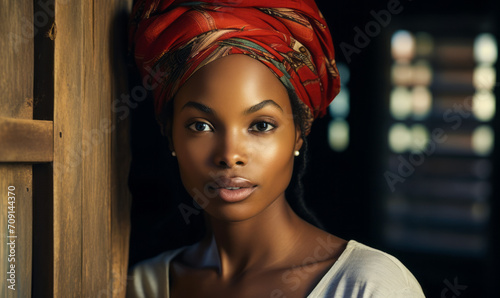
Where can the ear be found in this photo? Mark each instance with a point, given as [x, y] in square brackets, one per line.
[298, 139]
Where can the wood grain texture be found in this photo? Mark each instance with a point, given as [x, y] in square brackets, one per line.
[96, 113]
[16, 87]
[68, 173]
[18, 176]
[16, 60]
[26, 140]
[89, 214]
[90, 195]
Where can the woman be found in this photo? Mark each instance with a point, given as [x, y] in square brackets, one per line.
[240, 83]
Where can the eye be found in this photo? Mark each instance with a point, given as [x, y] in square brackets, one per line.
[263, 126]
[200, 126]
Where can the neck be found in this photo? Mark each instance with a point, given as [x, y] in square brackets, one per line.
[263, 241]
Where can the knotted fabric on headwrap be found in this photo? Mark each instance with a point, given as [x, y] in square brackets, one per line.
[172, 39]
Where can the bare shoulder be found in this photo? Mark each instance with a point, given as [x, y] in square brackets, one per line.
[322, 245]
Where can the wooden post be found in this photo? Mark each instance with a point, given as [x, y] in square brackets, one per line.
[81, 202]
[90, 210]
[16, 102]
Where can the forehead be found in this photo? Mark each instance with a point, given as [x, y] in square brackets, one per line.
[235, 79]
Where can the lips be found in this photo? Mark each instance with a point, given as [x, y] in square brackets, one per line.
[234, 189]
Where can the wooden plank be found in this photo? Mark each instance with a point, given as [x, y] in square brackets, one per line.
[15, 250]
[120, 159]
[96, 122]
[26, 140]
[105, 233]
[85, 167]
[68, 149]
[16, 87]
[16, 44]
[84, 180]
[105, 210]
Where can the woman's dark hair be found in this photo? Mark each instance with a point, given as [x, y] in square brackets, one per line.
[295, 190]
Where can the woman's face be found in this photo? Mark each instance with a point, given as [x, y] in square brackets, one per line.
[234, 136]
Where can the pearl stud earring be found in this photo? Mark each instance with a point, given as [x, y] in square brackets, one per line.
[173, 153]
[296, 153]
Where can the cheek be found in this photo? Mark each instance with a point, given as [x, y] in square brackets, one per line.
[276, 159]
[190, 158]
[275, 155]
[195, 150]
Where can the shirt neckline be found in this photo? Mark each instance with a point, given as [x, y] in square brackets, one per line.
[315, 291]
[325, 280]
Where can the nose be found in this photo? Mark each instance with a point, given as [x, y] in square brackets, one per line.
[231, 151]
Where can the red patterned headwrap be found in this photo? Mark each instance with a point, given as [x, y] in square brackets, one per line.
[174, 38]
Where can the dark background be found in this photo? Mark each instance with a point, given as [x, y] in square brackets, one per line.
[344, 189]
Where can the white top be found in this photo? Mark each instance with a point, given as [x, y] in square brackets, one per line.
[360, 271]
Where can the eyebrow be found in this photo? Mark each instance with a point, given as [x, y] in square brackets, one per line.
[199, 106]
[261, 105]
[207, 110]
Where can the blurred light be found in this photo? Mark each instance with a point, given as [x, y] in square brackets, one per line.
[401, 103]
[484, 77]
[424, 44]
[402, 74]
[480, 211]
[340, 106]
[403, 45]
[483, 140]
[400, 138]
[485, 49]
[483, 105]
[344, 73]
[422, 73]
[420, 137]
[338, 135]
[422, 102]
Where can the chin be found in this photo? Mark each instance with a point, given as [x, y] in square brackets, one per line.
[240, 211]
[233, 212]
